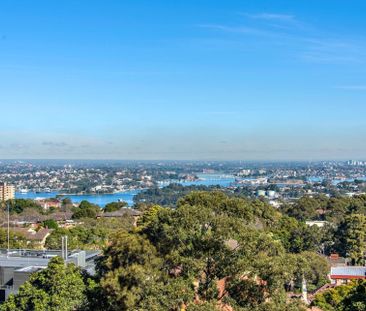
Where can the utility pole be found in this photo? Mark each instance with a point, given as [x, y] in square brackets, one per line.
[64, 248]
[304, 290]
[8, 235]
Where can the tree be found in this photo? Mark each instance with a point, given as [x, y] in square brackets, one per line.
[66, 201]
[217, 201]
[315, 269]
[356, 298]
[169, 195]
[50, 224]
[86, 210]
[351, 235]
[114, 206]
[306, 207]
[16, 240]
[247, 292]
[59, 287]
[66, 204]
[148, 217]
[126, 271]
[19, 205]
[296, 236]
[350, 297]
[211, 237]
[211, 251]
[92, 234]
[203, 306]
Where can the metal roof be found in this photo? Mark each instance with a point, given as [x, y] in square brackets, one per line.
[348, 271]
[18, 262]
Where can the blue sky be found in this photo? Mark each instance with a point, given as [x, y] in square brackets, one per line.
[192, 79]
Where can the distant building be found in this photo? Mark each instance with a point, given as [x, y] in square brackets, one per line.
[122, 213]
[318, 223]
[46, 204]
[37, 237]
[6, 192]
[244, 172]
[275, 204]
[16, 266]
[336, 261]
[343, 275]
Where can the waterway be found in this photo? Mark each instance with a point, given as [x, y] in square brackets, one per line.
[127, 196]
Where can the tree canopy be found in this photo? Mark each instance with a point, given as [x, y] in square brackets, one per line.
[86, 210]
[211, 250]
[114, 206]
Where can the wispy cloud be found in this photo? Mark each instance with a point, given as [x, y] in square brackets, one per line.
[276, 20]
[235, 29]
[306, 42]
[272, 16]
[329, 49]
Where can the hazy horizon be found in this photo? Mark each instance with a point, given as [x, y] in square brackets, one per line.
[192, 80]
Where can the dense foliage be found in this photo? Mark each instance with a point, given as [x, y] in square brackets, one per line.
[114, 206]
[19, 205]
[86, 210]
[50, 224]
[169, 195]
[345, 232]
[210, 251]
[92, 234]
[321, 207]
[351, 297]
[16, 240]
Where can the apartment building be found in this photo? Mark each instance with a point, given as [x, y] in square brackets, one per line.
[6, 192]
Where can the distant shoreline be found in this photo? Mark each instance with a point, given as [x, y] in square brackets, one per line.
[104, 193]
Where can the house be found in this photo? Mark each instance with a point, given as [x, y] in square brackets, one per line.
[31, 217]
[61, 217]
[336, 261]
[32, 236]
[318, 223]
[343, 275]
[123, 212]
[46, 204]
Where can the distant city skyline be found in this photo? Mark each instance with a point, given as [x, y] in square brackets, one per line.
[183, 80]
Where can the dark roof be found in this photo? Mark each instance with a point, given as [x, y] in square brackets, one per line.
[33, 235]
[28, 218]
[60, 216]
[123, 212]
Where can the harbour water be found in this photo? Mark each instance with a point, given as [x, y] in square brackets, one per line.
[99, 199]
[127, 196]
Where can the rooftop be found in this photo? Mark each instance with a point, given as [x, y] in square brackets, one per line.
[121, 213]
[354, 272]
[31, 269]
